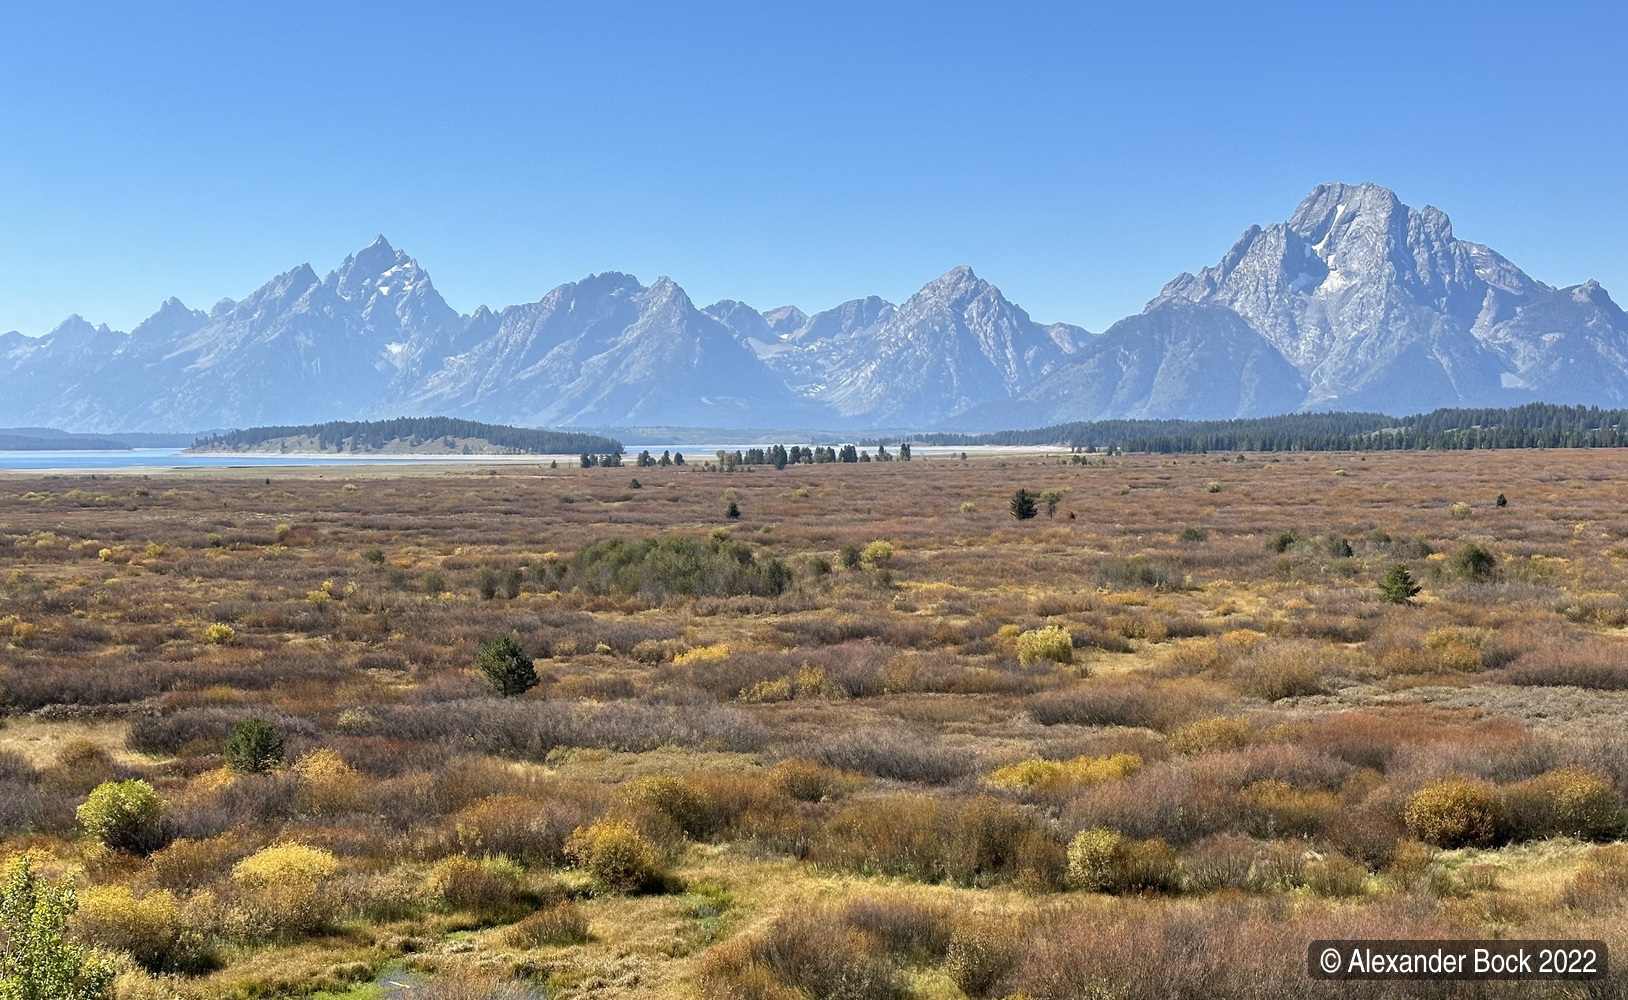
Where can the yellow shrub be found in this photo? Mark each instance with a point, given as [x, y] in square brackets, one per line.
[147, 928]
[767, 692]
[878, 554]
[1335, 876]
[285, 865]
[1456, 648]
[617, 856]
[702, 654]
[327, 783]
[288, 890]
[1050, 643]
[1091, 856]
[1456, 812]
[1055, 776]
[219, 633]
[1212, 736]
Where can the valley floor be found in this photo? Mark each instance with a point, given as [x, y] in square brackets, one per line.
[873, 737]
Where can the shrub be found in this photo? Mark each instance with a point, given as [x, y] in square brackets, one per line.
[219, 634]
[1212, 736]
[486, 887]
[675, 798]
[288, 888]
[1022, 505]
[506, 666]
[811, 781]
[655, 568]
[1336, 876]
[1063, 776]
[1277, 677]
[1473, 562]
[1192, 533]
[617, 856]
[1101, 860]
[1455, 812]
[556, 923]
[254, 746]
[1397, 587]
[802, 954]
[982, 952]
[434, 583]
[849, 556]
[878, 554]
[123, 815]
[1223, 861]
[327, 783]
[1091, 857]
[1569, 802]
[1275, 808]
[1052, 643]
[148, 928]
[37, 960]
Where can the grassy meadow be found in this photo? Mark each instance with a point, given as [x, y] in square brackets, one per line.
[874, 738]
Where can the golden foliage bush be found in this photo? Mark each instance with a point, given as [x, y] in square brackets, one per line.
[326, 783]
[1052, 643]
[618, 857]
[1101, 860]
[1569, 802]
[1214, 735]
[1456, 812]
[148, 928]
[284, 888]
[1063, 776]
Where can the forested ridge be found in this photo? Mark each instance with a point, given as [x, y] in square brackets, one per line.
[345, 435]
[1534, 425]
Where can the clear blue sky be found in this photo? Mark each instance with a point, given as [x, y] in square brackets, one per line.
[1077, 154]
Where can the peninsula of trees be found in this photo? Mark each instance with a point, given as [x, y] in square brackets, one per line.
[408, 436]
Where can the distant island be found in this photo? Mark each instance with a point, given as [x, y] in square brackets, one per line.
[52, 439]
[405, 436]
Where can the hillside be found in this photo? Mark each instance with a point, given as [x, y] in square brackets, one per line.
[407, 436]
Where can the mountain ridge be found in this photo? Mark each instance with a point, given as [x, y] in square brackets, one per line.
[1355, 301]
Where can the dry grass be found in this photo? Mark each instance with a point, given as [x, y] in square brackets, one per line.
[873, 755]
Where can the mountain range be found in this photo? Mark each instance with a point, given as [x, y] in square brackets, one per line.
[1357, 302]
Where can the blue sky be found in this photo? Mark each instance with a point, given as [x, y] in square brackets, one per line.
[1078, 155]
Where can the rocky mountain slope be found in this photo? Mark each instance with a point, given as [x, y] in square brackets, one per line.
[1357, 301]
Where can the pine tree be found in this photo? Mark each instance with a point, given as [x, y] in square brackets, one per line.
[733, 511]
[1023, 505]
[506, 666]
[1398, 587]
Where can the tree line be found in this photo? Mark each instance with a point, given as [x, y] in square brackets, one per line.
[345, 435]
[1533, 425]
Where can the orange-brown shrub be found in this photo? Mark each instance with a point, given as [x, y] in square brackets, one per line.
[1568, 802]
[1455, 812]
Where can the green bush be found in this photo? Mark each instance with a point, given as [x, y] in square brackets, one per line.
[1473, 562]
[506, 666]
[254, 746]
[123, 815]
[37, 961]
[1456, 812]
